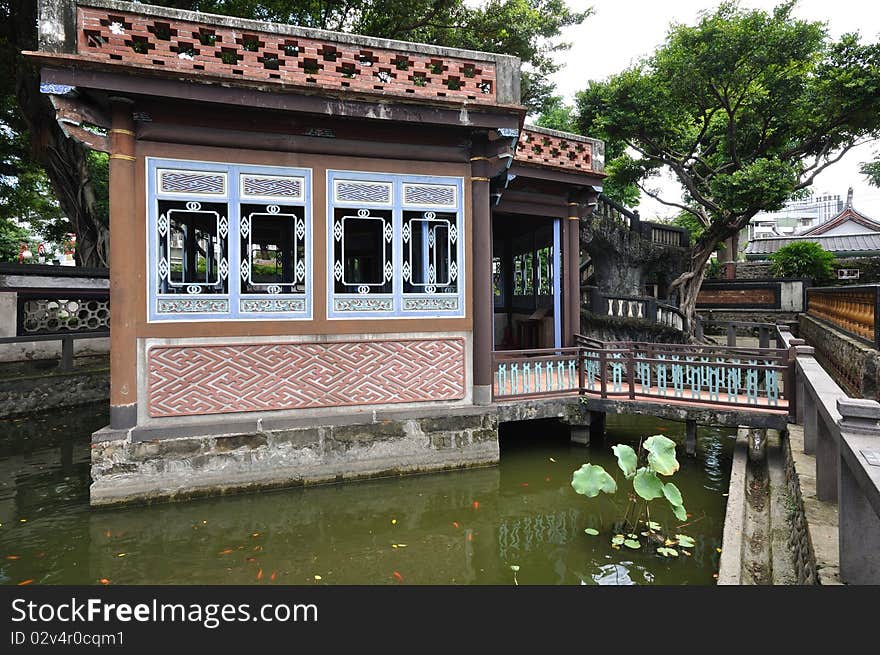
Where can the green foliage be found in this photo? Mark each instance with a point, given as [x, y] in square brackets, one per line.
[658, 454]
[590, 480]
[691, 223]
[661, 454]
[557, 115]
[744, 108]
[647, 485]
[11, 236]
[685, 541]
[803, 259]
[871, 170]
[627, 459]
[713, 270]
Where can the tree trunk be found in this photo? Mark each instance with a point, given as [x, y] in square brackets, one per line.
[689, 283]
[65, 160]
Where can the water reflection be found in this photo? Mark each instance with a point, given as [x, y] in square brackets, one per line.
[466, 527]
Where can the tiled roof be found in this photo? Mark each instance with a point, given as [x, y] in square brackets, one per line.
[847, 215]
[868, 242]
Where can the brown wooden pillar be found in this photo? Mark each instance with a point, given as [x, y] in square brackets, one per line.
[573, 273]
[124, 276]
[483, 305]
[564, 283]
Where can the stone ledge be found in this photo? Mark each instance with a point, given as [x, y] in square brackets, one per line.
[125, 471]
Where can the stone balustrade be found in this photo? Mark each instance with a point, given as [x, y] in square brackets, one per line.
[852, 309]
[844, 435]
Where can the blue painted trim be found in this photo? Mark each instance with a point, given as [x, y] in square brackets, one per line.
[557, 287]
[397, 208]
[233, 199]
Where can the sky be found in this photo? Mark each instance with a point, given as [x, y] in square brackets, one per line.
[620, 32]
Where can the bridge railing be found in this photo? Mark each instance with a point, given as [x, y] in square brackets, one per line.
[537, 373]
[844, 435]
[852, 309]
[746, 377]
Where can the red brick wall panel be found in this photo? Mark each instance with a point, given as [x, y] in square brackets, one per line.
[134, 39]
[547, 150]
[215, 379]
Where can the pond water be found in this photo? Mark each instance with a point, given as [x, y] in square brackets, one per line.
[464, 527]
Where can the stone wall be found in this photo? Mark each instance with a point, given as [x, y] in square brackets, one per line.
[347, 447]
[868, 267]
[854, 365]
[33, 393]
[799, 541]
[752, 270]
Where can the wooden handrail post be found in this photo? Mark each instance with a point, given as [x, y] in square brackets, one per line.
[631, 373]
[603, 373]
[581, 365]
[763, 336]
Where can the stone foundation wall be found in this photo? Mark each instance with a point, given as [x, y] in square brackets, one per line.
[627, 329]
[752, 270]
[26, 394]
[853, 364]
[126, 470]
[799, 541]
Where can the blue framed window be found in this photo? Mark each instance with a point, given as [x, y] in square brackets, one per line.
[395, 245]
[228, 241]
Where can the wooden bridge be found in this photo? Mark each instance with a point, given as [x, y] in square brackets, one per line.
[681, 374]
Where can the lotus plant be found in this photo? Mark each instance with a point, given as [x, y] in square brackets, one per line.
[655, 458]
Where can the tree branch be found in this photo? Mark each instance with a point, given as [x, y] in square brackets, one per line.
[701, 216]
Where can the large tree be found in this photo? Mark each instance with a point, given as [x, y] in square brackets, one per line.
[745, 108]
[36, 154]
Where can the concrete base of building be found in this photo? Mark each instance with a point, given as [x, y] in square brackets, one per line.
[184, 459]
[126, 470]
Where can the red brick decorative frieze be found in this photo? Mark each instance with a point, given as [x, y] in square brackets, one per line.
[203, 48]
[555, 149]
[217, 379]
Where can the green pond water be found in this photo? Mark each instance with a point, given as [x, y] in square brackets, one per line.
[464, 527]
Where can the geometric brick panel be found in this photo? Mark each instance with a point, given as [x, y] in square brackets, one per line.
[204, 50]
[197, 380]
[553, 151]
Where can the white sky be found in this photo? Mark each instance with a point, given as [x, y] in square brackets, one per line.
[621, 31]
